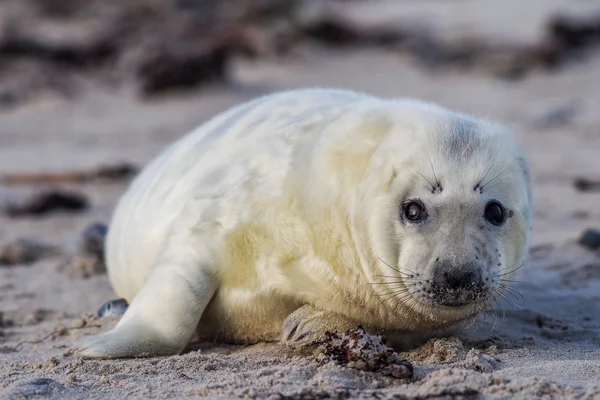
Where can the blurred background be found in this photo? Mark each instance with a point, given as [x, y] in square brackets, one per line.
[91, 90]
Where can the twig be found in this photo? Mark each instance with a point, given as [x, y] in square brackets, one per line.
[57, 332]
[115, 172]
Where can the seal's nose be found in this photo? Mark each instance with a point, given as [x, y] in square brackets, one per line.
[457, 277]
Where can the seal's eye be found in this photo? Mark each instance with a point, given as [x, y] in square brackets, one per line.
[414, 211]
[495, 213]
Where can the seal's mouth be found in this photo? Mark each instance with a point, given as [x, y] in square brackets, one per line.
[450, 297]
[454, 303]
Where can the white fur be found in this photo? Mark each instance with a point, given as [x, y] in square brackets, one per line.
[282, 201]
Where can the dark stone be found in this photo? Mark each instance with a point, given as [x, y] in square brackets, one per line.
[113, 308]
[42, 387]
[92, 240]
[587, 185]
[178, 69]
[590, 239]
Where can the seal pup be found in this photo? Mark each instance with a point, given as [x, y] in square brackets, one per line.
[313, 210]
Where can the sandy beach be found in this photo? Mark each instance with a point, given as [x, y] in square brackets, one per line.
[543, 345]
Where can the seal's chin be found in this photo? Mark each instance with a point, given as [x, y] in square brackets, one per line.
[458, 298]
[455, 299]
[454, 303]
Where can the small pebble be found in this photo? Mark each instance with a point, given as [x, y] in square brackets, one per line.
[590, 239]
[556, 118]
[42, 387]
[89, 259]
[92, 240]
[113, 308]
[24, 251]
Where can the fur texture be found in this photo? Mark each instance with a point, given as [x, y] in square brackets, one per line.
[294, 199]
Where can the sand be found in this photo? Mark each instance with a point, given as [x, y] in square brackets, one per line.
[543, 345]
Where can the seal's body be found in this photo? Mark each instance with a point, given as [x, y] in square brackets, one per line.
[311, 210]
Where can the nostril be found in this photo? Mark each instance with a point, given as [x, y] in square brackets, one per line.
[456, 278]
[459, 279]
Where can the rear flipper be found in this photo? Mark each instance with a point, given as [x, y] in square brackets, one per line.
[163, 316]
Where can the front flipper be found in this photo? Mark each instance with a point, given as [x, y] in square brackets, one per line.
[163, 316]
[307, 325]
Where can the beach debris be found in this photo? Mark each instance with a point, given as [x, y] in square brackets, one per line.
[563, 39]
[88, 260]
[41, 387]
[48, 201]
[113, 308]
[590, 239]
[3, 323]
[558, 117]
[103, 173]
[568, 35]
[587, 185]
[76, 43]
[35, 316]
[177, 67]
[93, 239]
[51, 54]
[181, 45]
[356, 348]
[22, 251]
[333, 27]
[82, 266]
[187, 61]
[85, 322]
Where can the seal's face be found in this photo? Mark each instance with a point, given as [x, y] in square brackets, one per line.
[465, 262]
[461, 219]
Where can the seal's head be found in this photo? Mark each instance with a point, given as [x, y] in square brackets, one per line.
[458, 214]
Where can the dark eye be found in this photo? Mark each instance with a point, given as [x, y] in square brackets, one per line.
[414, 211]
[495, 213]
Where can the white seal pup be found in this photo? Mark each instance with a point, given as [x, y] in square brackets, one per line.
[314, 210]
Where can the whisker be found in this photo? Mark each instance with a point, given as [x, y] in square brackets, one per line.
[433, 187]
[428, 181]
[415, 183]
[495, 320]
[495, 184]
[501, 309]
[510, 281]
[508, 267]
[483, 179]
[397, 270]
[482, 187]
[498, 275]
[486, 307]
[380, 259]
[412, 272]
[433, 170]
[387, 276]
[497, 307]
[510, 303]
[412, 303]
[389, 296]
[514, 292]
